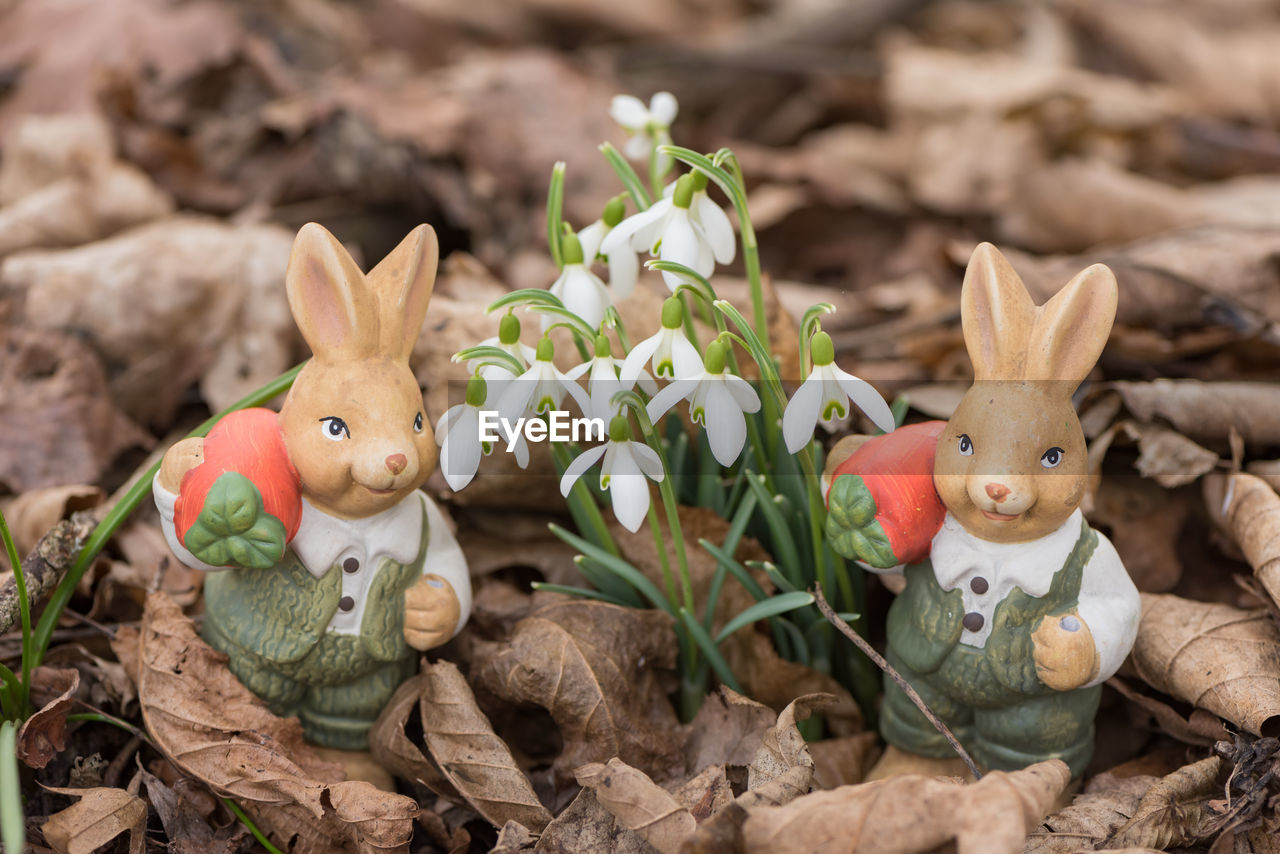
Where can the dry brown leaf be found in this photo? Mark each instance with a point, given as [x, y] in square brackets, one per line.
[1219, 658]
[910, 814]
[216, 730]
[394, 750]
[1252, 515]
[705, 794]
[42, 149]
[172, 302]
[1144, 522]
[727, 730]
[513, 838]
[782, 768]
[44, 734]
[639, 804]
[98, 817]
[108, 683]
[775, 681]
[188, 831]
[1208, 411]
[58, 423]
[1201, 729]
[1168, 457]
[843, 761]
[1091, 817]
[586, 827]
[596, 668]
[477, 762]
[1175, 811]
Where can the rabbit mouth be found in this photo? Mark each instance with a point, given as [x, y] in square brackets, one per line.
[1000, 517]
[380, 491]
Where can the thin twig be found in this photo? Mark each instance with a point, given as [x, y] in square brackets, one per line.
[869, 651]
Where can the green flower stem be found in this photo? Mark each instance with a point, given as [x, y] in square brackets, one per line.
[690, 331]
[127, 504]
[555, 206]
[628, 176]
[660, 547]
[588, 517]
[24, 611]
[253, 828]
[614, 320]
[12, 825]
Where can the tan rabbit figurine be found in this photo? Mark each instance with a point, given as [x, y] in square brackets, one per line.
[334, 567]
[1014, 609]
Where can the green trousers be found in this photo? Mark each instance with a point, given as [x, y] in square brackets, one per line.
[337, 689]
[1003, 730]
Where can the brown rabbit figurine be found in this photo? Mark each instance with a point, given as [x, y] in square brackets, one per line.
[1020, 610]
[324, 623]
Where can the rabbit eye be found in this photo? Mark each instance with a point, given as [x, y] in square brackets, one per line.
[1050, 458]
[334, 428]
[966, 445]
[417, 423]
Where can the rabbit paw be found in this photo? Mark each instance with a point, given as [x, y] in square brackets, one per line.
[1064, 652]
[431, 612]
[178, 460]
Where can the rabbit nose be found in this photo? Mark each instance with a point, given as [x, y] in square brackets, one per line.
[396, 463]
[998, 492]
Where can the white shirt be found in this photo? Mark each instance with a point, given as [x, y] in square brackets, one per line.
[1108, 602]
[326, 543]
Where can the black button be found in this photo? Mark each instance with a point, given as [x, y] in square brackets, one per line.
[979, 585]
[351, 565]
[346, 603]
[973, 621]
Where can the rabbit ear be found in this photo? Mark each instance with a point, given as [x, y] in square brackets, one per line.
[1073, 327]
[334, 308]
[997, 315]
[403, 282]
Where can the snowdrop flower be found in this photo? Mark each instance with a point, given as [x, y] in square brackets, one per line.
[578, 288]
[669, 230]
[672, 354]
[603, 382]
[539, 389]
[623, 472]
[824, 397]
[648, 126]
[623, 266]
[458, 435]
[717, 401]
[508, 339]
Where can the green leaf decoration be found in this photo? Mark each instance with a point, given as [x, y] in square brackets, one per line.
[233, 528]
[852, 527]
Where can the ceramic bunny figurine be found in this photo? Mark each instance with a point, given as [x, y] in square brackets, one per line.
[1014, 610]
[326, 627]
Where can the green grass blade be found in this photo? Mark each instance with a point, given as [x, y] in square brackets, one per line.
[555, 205]
[580, 592]
[13, 831]
[708, 647]
[781, 544]
[627, 176]
[618, 567]
[22, 692]
[775, 575]
[606, 582]
[770, 607]
[799, 646]
[739, 571]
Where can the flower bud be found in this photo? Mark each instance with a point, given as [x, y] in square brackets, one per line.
[546, 350]
[509, 329]
[614, 211]
[700, 180]
[822, 350]
[477, 391]
[619, 429]
[715, 358]
[570, 249]
[672, 313]
[603, 350]
[682, 197]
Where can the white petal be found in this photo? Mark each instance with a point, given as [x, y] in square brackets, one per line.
[717, 228]
[650, 229]
[649, 461]
[743, 394]
[521, 451]
[647, 383]
[621, 233]
[628, 111]
[802, 413]
[460, 454]
[583, 294]
[628, 489]
[641, 353]
[637, 146]
[578, 393]
[706, 264]
[866, 398]
[662, 108]
[578, 370]
[726, 426]
[578, 468]
[669, 397]
[680, 245]
[686, 361]
[590, 238]
[624, 267]
[514, 400]
[446, 421]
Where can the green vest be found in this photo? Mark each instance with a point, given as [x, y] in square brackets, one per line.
[924, 627]
[281, 613]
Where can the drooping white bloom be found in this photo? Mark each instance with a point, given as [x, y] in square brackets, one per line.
[458, 435]
[824, 397]
[647, 126]
[626, 465]
[578, 288]
[717, 401]
[672, 354]
[539, 389]
[603, 381]
[623, 265]
[673, 231]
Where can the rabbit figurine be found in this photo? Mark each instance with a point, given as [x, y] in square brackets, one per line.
[1014, 609]
[340, 567]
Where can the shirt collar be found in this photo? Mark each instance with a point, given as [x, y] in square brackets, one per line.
[957, 554]
[395, 533]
